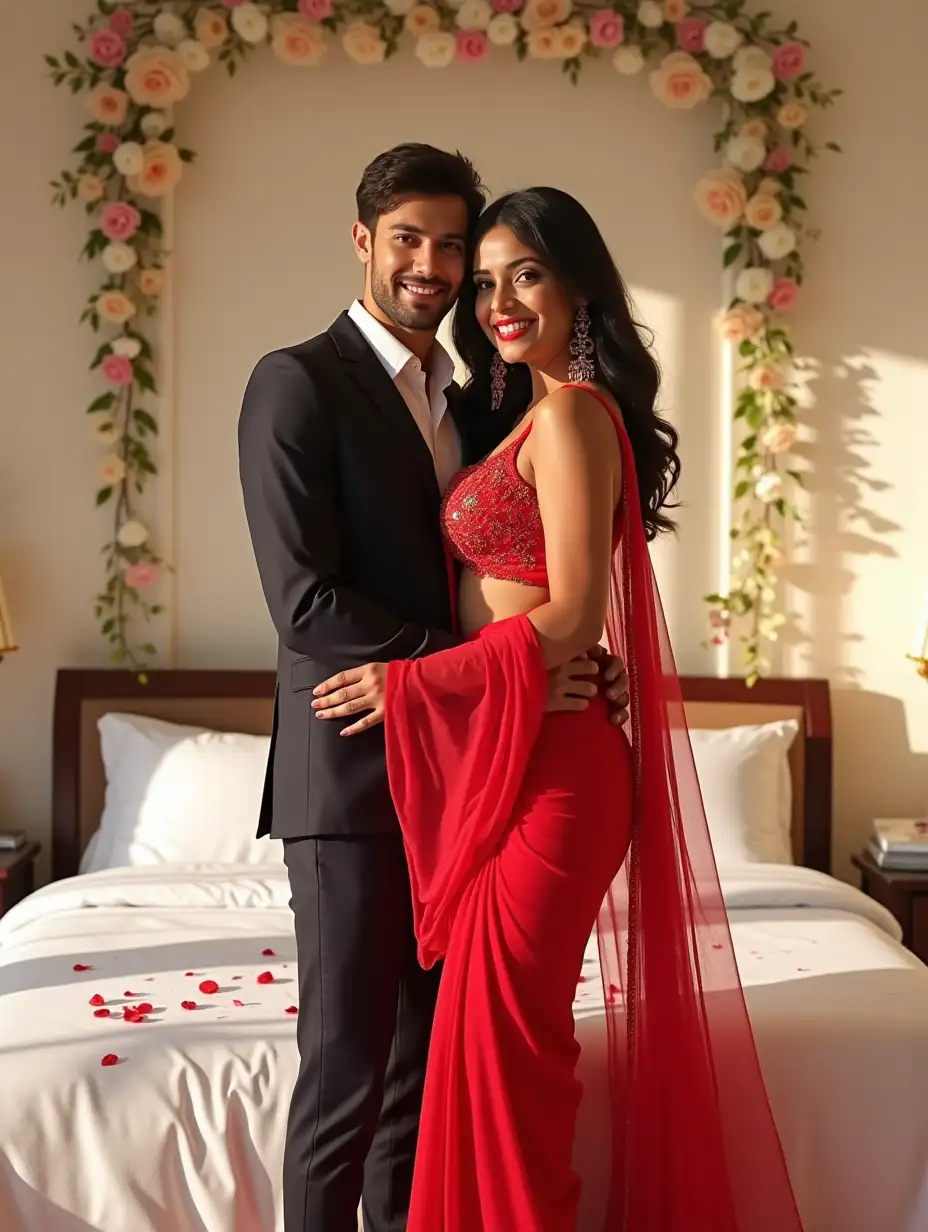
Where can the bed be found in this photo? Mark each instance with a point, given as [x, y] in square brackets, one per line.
[184, 1131]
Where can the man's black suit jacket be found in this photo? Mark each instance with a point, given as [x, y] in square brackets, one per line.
[342, 505]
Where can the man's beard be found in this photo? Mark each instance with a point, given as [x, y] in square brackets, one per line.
[426, 315]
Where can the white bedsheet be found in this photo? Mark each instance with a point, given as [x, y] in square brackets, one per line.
[186, 1133]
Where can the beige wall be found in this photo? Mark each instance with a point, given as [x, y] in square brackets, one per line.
[263, 259]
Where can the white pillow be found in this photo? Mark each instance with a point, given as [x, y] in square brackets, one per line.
[744, 776]
[179, 794]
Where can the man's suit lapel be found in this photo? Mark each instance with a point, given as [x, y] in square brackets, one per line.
[369, 374]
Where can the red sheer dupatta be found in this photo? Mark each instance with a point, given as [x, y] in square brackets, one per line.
[695, 1148]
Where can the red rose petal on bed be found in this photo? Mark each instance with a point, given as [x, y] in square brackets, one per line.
[132, 1015]
[97, 999]
[235, 1001]
[110, 1059]
[129, 993]
[82, 967]
[209, 987]
[145, 1008]
[189, 973]
[581, 979]
[266, 977]
[104, 1013]
[188, 1005]
[268, 953]
[291, 1009]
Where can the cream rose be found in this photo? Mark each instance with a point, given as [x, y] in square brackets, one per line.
[128, 347]
[779, 437]
[249, 23]
[473, 15]
[169, 28]
[675, 10]
[739, 324]
[628, 60]
[679, 82]
[650, 14]
[132, 534]
[115, 307]
[753, 128]
[154, 123]
[363, 43]
[751, 56]
[544, 45]
[503, 29]
[769, 186]
[107, 432]
[194, 55]
[421, 19]
[156, 77]
[571, 40]
[766, 377]
[769, 487]
[754, 284]
[745, 153]
[161, 170]
[762, 212]
[90, 188]
[721, 196]
[778, 242]
[211, 28]
[792, 115]
[436, 49]
[296, 41]
[750, 85]
[721, 40]
[107, 105]
[543, 14]
[119, 258]
[112, 470]
[151, 281]
[128, 158]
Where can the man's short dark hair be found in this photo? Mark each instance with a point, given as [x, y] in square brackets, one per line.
[417, 170]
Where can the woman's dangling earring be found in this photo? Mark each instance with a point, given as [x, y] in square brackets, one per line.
[581, 368]
[498, 370]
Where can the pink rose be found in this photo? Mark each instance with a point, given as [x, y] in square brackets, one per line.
[122, 22]
[141, 575]
[316, 10]
[789, 61]
[778, 161]
[691, 34]
[107, 48]
[118, 369]
[107, 142]
[607, 28]
[471, 46]
[506, 6]
[119, 220]
[784, 294]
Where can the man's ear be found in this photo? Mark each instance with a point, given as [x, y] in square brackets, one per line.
[363, 242]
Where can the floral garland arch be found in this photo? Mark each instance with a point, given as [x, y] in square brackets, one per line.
[139, 60]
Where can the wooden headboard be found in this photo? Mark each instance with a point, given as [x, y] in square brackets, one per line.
[243, 701]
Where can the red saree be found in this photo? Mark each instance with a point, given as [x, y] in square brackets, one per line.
[516, 826]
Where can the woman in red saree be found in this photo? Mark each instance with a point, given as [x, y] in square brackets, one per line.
[524, 831]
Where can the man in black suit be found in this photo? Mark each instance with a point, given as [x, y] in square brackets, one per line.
[346, 443]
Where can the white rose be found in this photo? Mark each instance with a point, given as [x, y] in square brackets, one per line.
[745, 153]
[194, 55]
[628, 60]
[130, 347]
[769, 487]
[751, 57]
[119, 258]
[778, 242]
[779, 437]
[154, 123]
[169, 28]
[129, 158]
[503, 29]
[650, 14]
[132, 534]
[473, 15]
[436, 49]
[399, 8]
[754, 284]
[750, 85]
[721, 40]
[249, 23]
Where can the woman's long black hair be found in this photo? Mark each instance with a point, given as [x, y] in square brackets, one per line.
[559, 230]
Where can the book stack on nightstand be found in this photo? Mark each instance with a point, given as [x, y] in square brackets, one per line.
[900, 844]
[17, 867]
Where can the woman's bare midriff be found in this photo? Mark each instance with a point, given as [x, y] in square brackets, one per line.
[483, 601]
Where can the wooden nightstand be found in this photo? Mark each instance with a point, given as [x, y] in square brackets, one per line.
[902, 892]
[17, 874]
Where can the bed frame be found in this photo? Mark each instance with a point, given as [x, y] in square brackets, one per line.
[229, 700]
